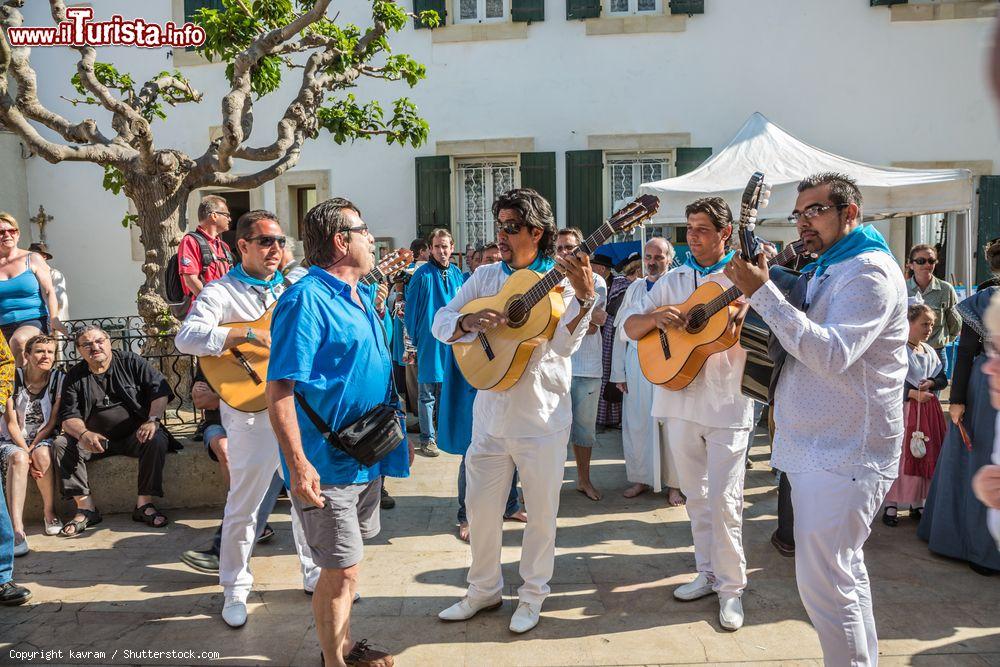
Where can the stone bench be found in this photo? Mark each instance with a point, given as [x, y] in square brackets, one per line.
[190, 479]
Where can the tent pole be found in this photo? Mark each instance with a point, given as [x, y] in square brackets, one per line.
[968, 252]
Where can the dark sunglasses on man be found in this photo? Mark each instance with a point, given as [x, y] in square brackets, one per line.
[510, 228]
[920, 261]
[268, 241]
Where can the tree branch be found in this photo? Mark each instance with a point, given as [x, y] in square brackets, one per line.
[269, 173]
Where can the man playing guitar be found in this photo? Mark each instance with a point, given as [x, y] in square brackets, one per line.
[527, 425]
[709, 421]
[243, 295]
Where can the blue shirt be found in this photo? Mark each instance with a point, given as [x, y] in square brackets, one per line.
[430, 289]
[336, 353]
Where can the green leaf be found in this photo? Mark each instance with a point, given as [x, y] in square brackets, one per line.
[114, 179]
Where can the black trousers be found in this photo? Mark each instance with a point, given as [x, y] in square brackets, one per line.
[786, 517]
[73, 462]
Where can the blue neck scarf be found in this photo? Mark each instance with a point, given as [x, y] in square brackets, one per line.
[706, 270]
[650, 284]
[238, 273]
[862, 238]
[541, 265]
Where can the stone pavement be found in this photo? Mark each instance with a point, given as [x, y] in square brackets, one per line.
[120, 588]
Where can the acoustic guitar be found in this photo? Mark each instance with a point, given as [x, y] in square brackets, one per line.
[674, 358]
[532, 305]
[239, 374]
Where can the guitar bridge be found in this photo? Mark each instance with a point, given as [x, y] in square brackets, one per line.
[665, 344]
[486, 346]
[246, 366]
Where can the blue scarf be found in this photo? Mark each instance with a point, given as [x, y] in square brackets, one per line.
[650, 284]
[541, 265]
[238, 273]
[706, 270]
[861, 239]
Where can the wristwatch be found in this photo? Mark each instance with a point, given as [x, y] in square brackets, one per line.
[153, 420]
[587, 304]
[251, 335]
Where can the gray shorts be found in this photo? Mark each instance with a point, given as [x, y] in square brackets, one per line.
[585, 394]
[335, 531]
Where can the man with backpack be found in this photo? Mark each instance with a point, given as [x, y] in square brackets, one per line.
[202, 255]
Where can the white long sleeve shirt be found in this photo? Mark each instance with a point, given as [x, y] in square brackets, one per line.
[839, 399]
[588, 360]
[539, 403]
[714, 397]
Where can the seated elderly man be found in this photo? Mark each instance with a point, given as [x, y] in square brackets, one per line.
[112, 405]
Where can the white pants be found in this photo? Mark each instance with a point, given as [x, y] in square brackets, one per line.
[253, 460]
[644, 441]
[489, 465]
[833, 514]
[711, 467]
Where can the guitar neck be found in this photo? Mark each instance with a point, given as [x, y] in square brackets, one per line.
[734, 292]
[555, 275]
[374, 276]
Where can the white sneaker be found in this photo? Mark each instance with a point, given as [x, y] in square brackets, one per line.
[465, 608]
[53, 527]
[699, 588]
[21, 548]
[731, 612]
[525, 618]
[234, 612]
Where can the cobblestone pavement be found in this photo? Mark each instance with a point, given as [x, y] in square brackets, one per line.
[120, 589]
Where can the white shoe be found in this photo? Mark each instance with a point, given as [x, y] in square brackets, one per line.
[525, 618]
[53, 527]
[465, 609]
[731, 612]
[21, 548]
[699, 588]
[234, 612]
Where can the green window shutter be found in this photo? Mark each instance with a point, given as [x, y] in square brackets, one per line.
[989, 221]
[433, 194]
[192, 6]
[427, 6]
[689, 159]
[583, 9]
[585, 189]
[687, 6]
[883, 3]
[527, 11]
[538, 172]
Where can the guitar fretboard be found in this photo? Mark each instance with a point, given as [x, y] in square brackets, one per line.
[555, 275]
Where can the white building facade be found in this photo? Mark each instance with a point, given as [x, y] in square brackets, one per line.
[581, 99]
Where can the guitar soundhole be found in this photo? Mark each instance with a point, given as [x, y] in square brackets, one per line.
[696, 319]
[517, 312]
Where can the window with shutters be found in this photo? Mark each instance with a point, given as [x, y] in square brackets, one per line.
[632, 7]
[478, 183]
[625, 173]
[480, 11]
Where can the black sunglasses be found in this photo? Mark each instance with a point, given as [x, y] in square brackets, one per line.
[920, 261]
[510, 228]
[268, 241]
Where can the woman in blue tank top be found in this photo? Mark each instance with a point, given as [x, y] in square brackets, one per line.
[28, 304]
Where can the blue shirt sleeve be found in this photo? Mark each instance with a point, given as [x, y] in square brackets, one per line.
[295, 339]
[414, 305]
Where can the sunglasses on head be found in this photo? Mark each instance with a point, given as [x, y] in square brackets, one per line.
[268, 241]
[920, 261]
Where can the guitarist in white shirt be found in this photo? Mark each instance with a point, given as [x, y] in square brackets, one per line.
[243, 295]
[526, 426]
[709, 421]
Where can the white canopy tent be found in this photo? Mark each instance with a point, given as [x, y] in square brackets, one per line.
[763, 146]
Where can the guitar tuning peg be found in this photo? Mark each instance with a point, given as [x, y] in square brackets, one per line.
[750, 222]
[753, 213]
[751, 226]
[763, 202]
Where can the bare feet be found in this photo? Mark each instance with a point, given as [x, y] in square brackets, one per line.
[636, 490]
[519, 515]
[675, 497]
[463, 532]
[587, 489]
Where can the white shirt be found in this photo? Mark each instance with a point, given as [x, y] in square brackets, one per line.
[538, 404]
[632, 303]
[588, 361]
[713, 398]
[839, 399]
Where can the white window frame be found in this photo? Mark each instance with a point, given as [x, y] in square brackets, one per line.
[633, 9]
[481, 13]
[666, 156]
[458, 198]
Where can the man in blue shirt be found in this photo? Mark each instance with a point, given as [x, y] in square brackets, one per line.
[329, 349]
[433, 285]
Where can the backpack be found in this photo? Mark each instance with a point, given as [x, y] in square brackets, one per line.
[178, 301]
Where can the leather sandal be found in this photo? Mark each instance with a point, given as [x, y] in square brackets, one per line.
[139, 515]
[90, 518]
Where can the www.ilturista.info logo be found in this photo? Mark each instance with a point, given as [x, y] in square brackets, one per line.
[79, 30]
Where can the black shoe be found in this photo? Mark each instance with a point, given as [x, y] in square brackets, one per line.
[983, 570]
[203, 561]
[12, 595]
[916, 513]
[266, 535]
[785, 549]
[891, 520]
[388, 502]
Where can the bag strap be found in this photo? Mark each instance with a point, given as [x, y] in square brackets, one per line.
[324, 429]
[208, 256]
